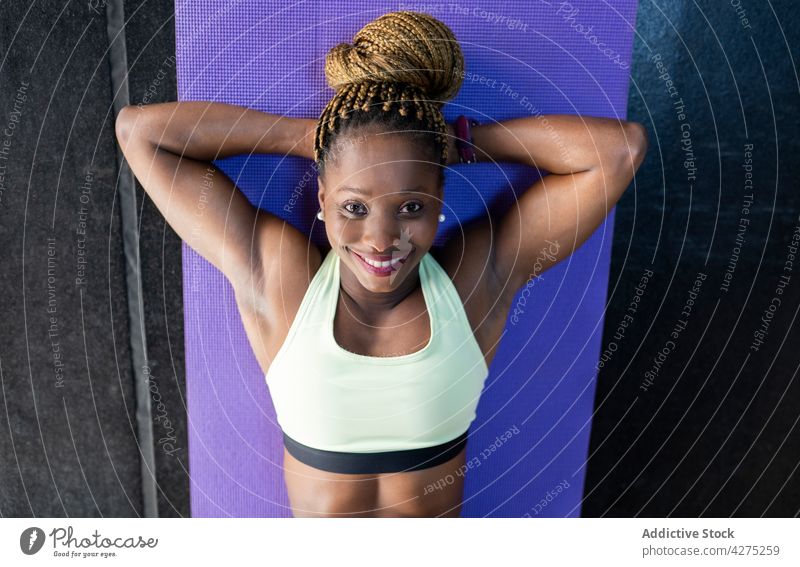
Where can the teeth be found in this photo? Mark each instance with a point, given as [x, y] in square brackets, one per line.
[384, 264]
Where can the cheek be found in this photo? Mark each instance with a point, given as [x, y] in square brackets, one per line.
[344, 230]
[427, 230]
[420, 233]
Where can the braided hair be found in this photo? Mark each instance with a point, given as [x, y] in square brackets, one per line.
[396, 75]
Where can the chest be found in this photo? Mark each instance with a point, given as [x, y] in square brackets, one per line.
[405, 331]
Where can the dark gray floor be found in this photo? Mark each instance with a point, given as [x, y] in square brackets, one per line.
[70, 442]
[69, 446]
[712, 430]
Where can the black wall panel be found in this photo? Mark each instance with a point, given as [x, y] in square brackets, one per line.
[704, 422]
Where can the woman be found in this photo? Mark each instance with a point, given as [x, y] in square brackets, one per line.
[375, 346]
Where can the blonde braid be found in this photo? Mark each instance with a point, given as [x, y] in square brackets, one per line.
[401, 68]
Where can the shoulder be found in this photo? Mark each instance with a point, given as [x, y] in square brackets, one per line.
[269, 304]
[467, 254]
[290, 281]
[467, 258]
[284, 281]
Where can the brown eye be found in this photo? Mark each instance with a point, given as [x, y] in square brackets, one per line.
[417, 207]
[352, 211]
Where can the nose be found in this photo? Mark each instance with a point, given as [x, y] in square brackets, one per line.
[380, 233]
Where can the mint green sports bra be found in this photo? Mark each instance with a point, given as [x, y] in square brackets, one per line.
[332, 399]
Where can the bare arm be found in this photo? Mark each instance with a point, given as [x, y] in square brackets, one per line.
[212, 130]
[169, 147]
[591, 161]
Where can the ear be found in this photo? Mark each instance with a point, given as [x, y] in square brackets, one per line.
[321, 193]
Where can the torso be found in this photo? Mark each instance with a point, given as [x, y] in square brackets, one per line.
[408, 331]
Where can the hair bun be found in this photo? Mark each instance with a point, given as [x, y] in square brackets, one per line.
[403, 47]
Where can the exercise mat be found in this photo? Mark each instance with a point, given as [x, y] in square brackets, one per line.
[528, 447]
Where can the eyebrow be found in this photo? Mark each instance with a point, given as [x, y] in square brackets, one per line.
[360, 191]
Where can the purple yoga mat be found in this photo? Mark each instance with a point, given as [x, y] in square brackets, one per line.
[528, 447]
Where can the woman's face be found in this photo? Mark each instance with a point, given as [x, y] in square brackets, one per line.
[381, 197]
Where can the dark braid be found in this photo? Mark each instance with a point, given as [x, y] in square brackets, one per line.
[398, 72]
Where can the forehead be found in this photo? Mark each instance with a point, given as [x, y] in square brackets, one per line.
[381, 163]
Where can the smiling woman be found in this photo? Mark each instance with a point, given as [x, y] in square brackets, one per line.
[358, 407]
[376, 346]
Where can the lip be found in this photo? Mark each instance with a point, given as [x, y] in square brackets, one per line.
[382, 272]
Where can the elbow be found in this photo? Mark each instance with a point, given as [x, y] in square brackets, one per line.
[626, 150]
[636, 143]
[124, 123]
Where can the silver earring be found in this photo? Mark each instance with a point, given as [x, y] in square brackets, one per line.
[320, 216]
[441, 218]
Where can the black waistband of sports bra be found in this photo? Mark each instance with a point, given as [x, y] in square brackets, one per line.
[375, 463]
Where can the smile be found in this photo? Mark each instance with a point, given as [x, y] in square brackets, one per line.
[382, 268]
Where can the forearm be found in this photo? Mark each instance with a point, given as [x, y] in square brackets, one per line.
[209, 130]
[557, 143]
